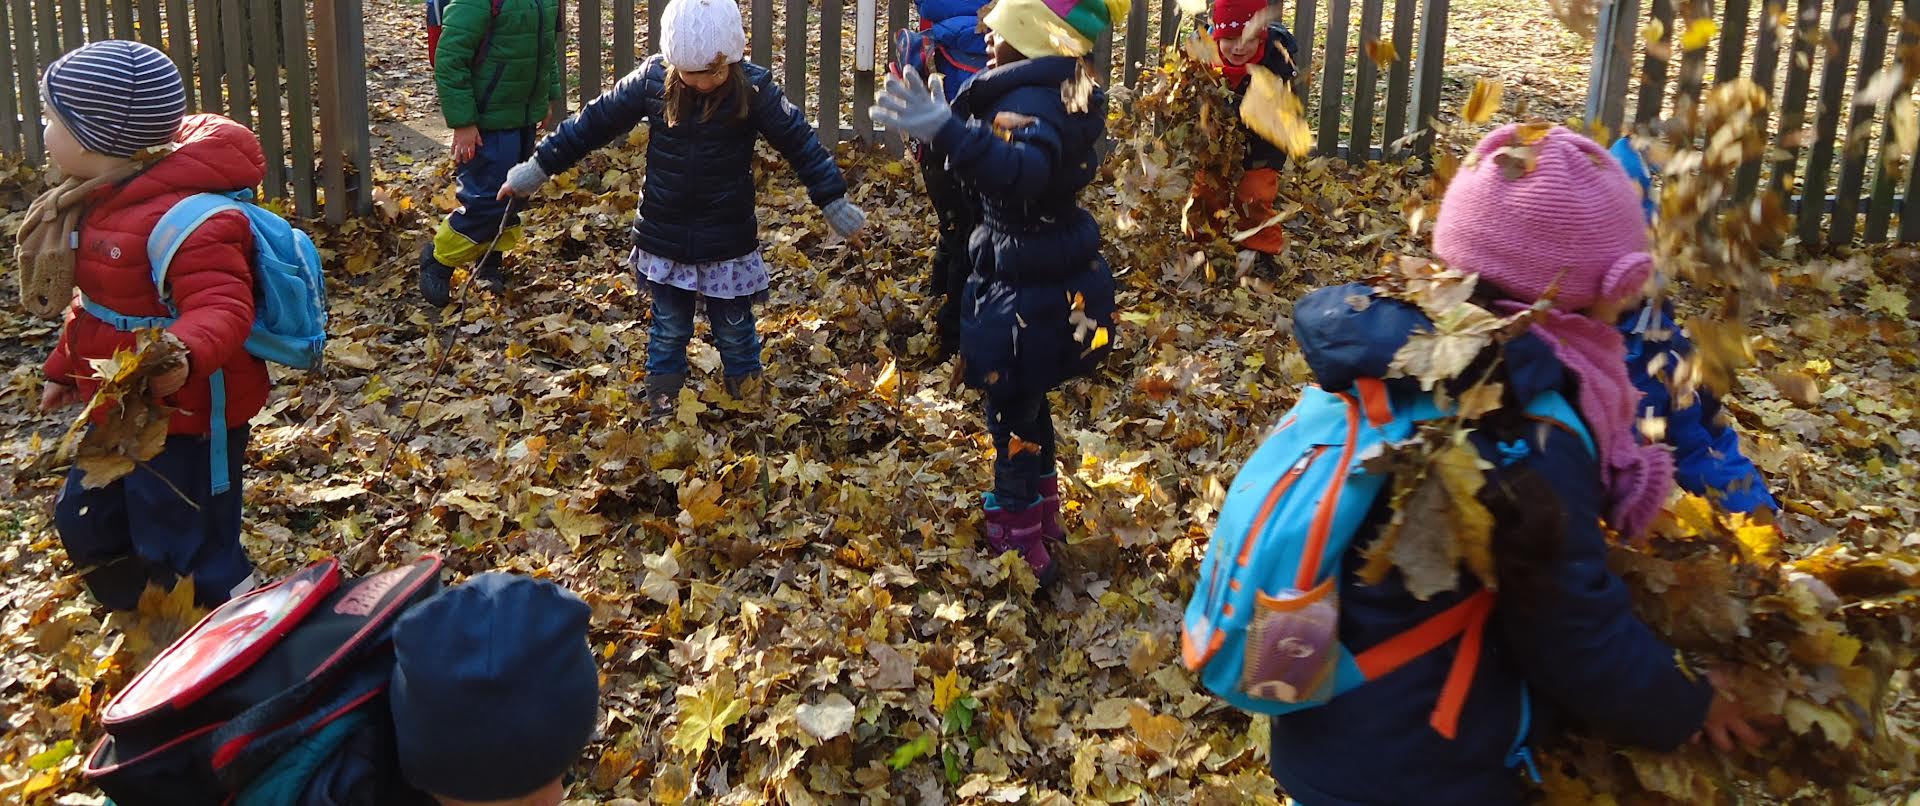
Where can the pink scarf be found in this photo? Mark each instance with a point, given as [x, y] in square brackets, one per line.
[1636, 477]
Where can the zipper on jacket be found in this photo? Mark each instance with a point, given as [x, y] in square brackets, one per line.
[1520, 755]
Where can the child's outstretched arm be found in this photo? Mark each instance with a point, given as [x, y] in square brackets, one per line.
[1020, 163]
[782, 123]
[601, 121]
[1578, 643]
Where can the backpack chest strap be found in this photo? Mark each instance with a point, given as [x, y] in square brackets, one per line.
[1466, 620]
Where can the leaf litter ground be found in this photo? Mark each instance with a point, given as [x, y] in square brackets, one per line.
[792, 602]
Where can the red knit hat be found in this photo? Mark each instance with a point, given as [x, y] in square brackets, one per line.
[1230, 17]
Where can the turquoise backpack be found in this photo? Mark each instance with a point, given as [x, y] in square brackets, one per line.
[289, 296]
[1262, 628]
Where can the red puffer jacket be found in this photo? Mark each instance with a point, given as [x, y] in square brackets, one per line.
[210, 279]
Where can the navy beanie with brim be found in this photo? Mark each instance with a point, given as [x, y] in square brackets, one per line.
[118, 98]
[494, 691]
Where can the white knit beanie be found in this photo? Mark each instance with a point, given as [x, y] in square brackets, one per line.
[696, 32]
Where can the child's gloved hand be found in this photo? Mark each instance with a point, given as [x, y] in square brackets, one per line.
[522, 180]
[845, 219]
[912, 106]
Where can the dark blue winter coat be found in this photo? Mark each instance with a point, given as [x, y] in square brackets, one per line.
[952, 27]
[1577, 654]
[698, 202]
[1040, 290]
[1706, 451]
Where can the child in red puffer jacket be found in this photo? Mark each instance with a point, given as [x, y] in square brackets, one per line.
[116, 128]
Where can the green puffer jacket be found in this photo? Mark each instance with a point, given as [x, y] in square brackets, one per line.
[516, 76]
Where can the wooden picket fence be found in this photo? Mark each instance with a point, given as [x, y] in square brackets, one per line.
[290, 70]
[296, 71]
[1825, 168]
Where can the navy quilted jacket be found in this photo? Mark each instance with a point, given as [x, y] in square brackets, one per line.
[698, 202]
[1040, 291]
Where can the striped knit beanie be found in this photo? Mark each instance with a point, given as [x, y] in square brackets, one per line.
[118, 98]
[1054, 27]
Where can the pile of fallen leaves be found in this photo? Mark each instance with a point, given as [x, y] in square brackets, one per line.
[793, 602]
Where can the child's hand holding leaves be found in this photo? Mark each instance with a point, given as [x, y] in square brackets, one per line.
[56, 395]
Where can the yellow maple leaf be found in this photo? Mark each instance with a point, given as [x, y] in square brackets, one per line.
[1272, 111]
[1699, 34]
[1462, 474]
[705, 716]
[1484, 101]
[946, 689]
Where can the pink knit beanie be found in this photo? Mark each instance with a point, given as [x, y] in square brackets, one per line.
[1522, 214]
[1530, 210]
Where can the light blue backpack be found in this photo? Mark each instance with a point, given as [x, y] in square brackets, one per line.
[289, 296]
[1262, 628]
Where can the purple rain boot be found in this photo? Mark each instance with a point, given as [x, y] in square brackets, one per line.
[1022, 531]
[1051, 528]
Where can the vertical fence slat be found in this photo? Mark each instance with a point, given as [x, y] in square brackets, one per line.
[1833, 84]
[1693, 64]
[9, 79]
[122, 19]
[1910, 205]
[96, 19]
[46, 24]
[353, 100]
[1886, 173]
[1427, 72]
[1305, 16]
[1793, 110]
[1136, 51]
[763, 32]
[266, 70]
[624, 15]
[1612, 49]
[558, 103]
[796, 55]
[332, 155]
[1360, 148]
[26, 69]
[1399, 78]
[73, 25]
[1102, 58]
[1333, 76]
[655, 8]
[233, 29]
[588, 26]
[1653, 71]
[180, 41]
[1733, 40]
[300, 129]
[150, 27]
[1853, 165]
[829, 69]
[1766, 63]
[212, 62]
[1169, 23]
[896, 21]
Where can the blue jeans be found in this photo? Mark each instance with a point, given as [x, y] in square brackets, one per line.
[734, 331]
[138, 529]
[1017, 474]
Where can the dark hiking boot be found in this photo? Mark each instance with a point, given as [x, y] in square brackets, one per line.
[436, 279]
[492, 272]
[663, 393]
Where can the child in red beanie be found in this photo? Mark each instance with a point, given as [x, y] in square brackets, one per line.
[1245, 42]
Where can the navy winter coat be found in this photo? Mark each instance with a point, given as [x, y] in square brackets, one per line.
[1706, 452]
[698, 202]
[1577, 653]
[1040, 289]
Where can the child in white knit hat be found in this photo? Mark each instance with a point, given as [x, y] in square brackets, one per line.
[696, 238]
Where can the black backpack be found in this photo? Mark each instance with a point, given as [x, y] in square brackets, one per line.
[254, 679]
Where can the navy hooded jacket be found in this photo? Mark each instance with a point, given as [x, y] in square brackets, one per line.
[1040, 290]
[1578, 653]
[952, 29]
[698, 202]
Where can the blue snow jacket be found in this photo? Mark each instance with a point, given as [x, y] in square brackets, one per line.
[1706, 450]
[1576, 654]
[1040, 293]
[697, 205]
[952, 30]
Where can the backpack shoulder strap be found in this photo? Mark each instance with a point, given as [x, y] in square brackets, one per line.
[1553, 407]
[179, 222]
